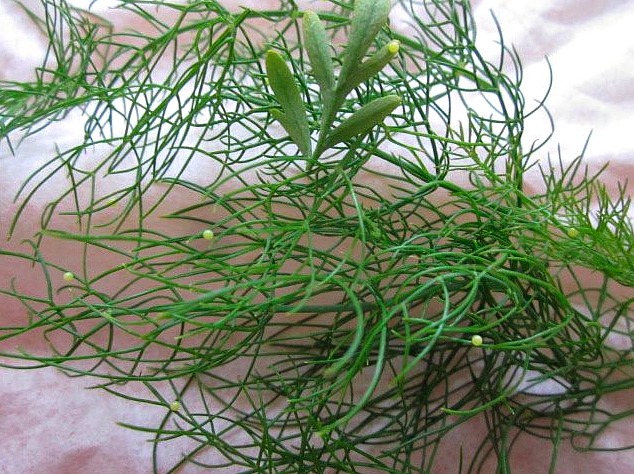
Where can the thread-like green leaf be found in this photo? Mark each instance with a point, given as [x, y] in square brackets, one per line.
[363, 119]
[316, 43]
[287, 93]
[368, 18]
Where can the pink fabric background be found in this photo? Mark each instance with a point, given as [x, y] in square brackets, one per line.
[51, 424]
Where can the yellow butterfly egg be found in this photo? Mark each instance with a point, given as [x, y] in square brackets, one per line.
[393, 46]
[572, 233]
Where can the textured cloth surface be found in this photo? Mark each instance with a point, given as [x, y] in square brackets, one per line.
[50, 424]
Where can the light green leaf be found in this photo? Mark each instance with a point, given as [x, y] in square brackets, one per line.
[363, 119]
[316, 43]
[293, 131]
[293, 118]
[368, 18]
[369, 68]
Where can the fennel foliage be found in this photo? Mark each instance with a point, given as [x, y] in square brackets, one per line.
[320, 252]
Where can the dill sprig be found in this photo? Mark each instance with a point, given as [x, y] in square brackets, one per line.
[319, 257]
